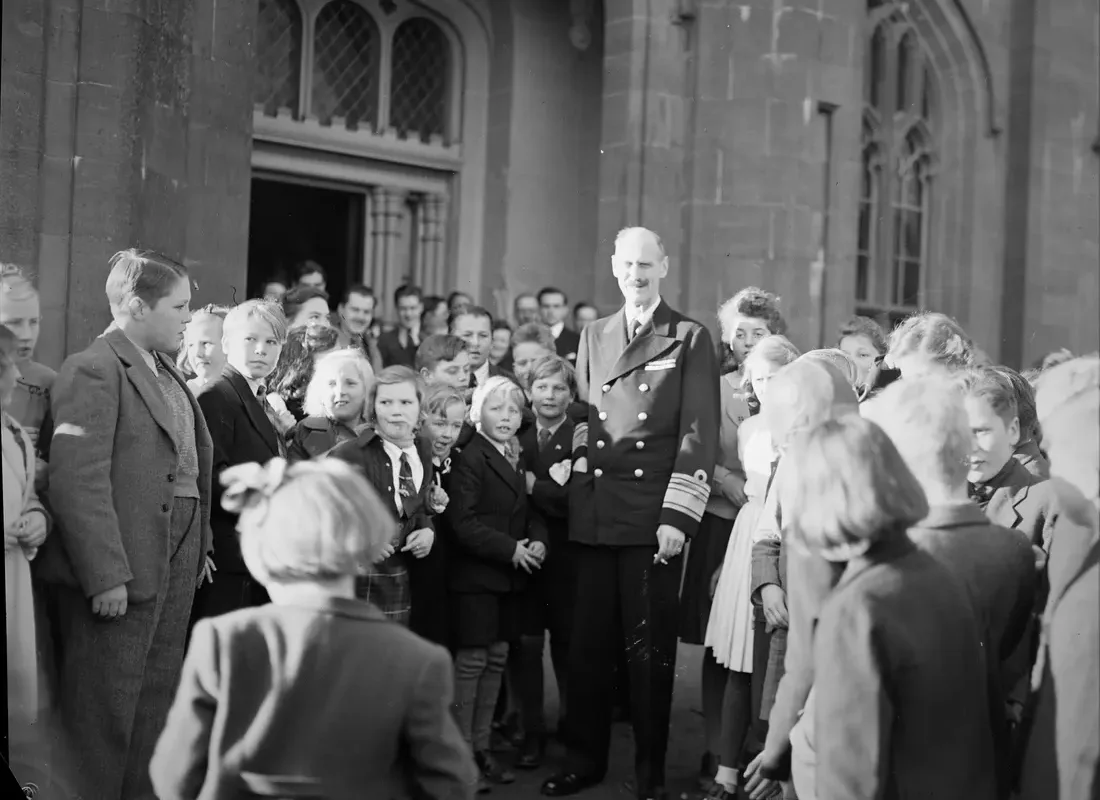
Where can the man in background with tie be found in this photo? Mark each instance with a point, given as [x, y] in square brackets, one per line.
[237, 411]
[644, 450]
[130, 478]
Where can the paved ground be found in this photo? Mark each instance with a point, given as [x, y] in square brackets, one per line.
[685, 745]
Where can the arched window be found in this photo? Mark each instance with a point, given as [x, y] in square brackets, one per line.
[346, 65]
[893, 254]
[418, 80]
[278, 56]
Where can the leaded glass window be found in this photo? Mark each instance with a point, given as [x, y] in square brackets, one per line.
[892, 254]
[418, 84]
[346, 61]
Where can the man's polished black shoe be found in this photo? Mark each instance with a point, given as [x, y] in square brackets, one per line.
[567, 783]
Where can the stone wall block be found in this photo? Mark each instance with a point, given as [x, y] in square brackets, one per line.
[59, 108]
[103, 195]
[24, 27]
[105, 37]
[840, 43]
[747, 130]
[234, 24]
[799, 34]
[54, 218]
[21, 108]
[105, 121]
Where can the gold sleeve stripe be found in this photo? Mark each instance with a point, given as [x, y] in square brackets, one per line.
[687, 495]
[580, 435]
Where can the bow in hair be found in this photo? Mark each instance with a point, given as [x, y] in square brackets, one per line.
[248, 485]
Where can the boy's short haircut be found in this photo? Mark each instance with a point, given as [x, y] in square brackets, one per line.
[552, 366]
[436, 349]
[534, 333]
[472, 311]
[145, 274]
[551, 290]
[438, 398]
[1025, 403]
[265, 310]
[495, 385]
[993, 387]
[502, 325]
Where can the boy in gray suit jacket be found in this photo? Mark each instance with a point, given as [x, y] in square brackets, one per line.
[130, 491]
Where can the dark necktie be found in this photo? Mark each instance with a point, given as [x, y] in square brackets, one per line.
[261, 393]
[511, 454]
[635, 326]
[18, 440]
[544, 438]
[981, 493]
[406, 487]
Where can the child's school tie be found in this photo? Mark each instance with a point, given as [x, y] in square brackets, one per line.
[406, 487]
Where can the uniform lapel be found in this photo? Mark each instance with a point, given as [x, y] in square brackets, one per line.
[141, 378]
[1004, 505]
[253, 409]
[652, 340]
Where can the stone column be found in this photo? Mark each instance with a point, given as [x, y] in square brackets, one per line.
[386, 208]
[431, 267]
[771, 187]
[641, 149]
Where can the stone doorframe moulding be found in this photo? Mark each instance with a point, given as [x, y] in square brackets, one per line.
[466, 24]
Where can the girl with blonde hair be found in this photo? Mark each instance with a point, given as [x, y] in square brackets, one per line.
[730, 629]
[930, 342]
[298, 684]
[335, 404]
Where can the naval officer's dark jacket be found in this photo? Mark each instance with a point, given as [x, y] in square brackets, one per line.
[649, 429]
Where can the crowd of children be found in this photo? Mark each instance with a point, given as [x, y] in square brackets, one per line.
[876, 580]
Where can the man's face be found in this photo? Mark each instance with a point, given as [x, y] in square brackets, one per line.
[454, 373]
[314, 280]
[477, 333]
[409, 310]
[165, 322]
[524, 358]
[23, 317]
[993, 439]
[553, 308]
[639, 266]
[583, 316]
[357, 312]
[527, 310]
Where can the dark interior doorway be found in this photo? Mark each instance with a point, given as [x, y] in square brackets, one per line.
[295, 222]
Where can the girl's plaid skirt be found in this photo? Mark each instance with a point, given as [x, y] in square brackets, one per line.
[386, 586]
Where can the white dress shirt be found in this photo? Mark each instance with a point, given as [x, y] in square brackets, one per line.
[394, 452]
[481, 374]
[556, 329]
[641, 315]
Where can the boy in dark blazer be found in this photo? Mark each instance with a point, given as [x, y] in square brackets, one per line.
[548, 600]
[130, 494]
[498, 541]
[236, 410]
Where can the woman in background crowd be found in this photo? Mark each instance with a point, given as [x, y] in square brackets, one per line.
[928, 342]
[863, 340]
[21, 313]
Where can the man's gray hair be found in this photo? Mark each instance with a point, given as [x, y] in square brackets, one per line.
[637, 229]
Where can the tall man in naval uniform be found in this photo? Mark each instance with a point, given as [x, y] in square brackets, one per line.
[643, 456]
